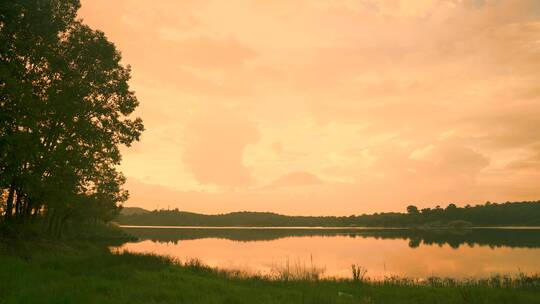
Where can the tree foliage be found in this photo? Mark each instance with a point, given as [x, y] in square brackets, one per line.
[65, 109]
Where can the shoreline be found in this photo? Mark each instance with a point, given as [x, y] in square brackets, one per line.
[51, 271]
[328, 228]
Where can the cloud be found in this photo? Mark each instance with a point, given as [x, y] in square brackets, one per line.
[527, 160]
[209, 53]
[295, 179]
[450, 160]
[214, 146]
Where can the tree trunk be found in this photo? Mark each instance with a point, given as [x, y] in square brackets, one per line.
[27, 210]
[51, 217]
[9, 205]
[18, 204]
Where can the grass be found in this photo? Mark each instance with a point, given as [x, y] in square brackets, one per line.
[83, 272]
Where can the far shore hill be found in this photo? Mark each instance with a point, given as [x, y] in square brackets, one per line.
[489, 214]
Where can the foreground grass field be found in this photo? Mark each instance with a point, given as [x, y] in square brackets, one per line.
[82, 272]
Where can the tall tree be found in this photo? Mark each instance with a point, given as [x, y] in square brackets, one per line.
[65, 109]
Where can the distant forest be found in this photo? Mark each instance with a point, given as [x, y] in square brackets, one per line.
[488, 214]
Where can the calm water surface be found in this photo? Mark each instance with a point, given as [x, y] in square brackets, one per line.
[383, 252]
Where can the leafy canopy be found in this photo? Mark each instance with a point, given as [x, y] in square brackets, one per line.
[65, 110]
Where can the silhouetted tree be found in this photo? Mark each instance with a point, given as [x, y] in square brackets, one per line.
[66, 108]
[411, 209]
[451, 207]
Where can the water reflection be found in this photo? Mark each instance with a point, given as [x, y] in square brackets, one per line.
[528, 238]
[384, 252]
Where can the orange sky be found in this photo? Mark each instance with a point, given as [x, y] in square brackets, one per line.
[329, 107]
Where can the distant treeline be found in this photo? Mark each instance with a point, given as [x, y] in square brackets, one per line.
[489, 214]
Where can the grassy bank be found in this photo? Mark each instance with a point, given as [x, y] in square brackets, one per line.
[83, 272]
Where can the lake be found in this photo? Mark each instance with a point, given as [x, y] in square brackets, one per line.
[478, 252]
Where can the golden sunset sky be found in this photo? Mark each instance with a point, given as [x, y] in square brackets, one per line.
[329, 107]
